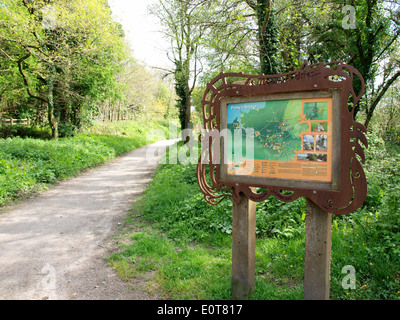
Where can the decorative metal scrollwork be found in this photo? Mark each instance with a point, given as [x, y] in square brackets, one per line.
[353, 186]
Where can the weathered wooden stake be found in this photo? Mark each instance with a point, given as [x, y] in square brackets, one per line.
[243, 248]
[318, 253]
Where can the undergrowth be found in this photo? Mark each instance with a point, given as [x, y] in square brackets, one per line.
[28, 164]
[195, 262]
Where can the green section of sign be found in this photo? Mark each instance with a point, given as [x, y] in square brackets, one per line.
[276, 125]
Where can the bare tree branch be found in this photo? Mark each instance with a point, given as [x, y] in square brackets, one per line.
[379, 97]
[26, 82]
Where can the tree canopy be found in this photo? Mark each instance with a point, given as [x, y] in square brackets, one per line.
[266, 36]
[68, 59]
[65, 57]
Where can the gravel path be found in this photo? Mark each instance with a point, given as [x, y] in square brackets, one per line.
[53, 246]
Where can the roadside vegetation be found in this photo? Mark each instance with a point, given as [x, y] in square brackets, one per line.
[68, 72]
[185, 243]
[30, 164]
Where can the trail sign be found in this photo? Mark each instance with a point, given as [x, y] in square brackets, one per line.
[306, 141]
[289, 135]
[295, 139]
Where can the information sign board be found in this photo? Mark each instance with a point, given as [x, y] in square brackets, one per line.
[293, 139]
[304, 140]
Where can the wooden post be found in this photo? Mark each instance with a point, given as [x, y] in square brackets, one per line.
[317, 253]
[243, 248]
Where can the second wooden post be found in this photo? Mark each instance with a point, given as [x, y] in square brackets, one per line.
[243, 248]
[317, 253]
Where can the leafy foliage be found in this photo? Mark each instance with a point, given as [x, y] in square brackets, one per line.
[22, 131]
[65, 63]
[26, 164]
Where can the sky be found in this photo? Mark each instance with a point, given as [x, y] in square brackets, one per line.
[143, 31]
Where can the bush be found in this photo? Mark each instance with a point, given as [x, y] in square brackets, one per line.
[281, 220]
[15, 178]
[369, 238]
[37, 132]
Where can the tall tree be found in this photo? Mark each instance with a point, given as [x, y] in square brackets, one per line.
[295, 21]
[183, 23]
[267, 35]
[387, 114]
[216, 33]
[286, 33]
[244, 37]
[371, 45]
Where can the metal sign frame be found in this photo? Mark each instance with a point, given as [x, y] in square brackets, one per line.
[348, 188]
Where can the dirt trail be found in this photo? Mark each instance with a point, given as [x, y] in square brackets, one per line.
[53, 246]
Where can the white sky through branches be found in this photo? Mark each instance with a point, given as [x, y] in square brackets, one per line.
[142, 31]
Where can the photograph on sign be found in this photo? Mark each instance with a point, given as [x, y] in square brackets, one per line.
[293, 140]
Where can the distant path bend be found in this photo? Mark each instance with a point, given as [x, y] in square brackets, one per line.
[53, 246]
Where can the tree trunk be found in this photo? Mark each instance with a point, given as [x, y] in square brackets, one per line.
[52, 114]
[267, 37]
[375, 102]
[188, 111]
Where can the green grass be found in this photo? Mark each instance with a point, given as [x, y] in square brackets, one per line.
[179, 268]
[201, 271]
[29, 164]
[186, 243]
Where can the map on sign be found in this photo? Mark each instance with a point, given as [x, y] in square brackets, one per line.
[291, 138]
[276, 127]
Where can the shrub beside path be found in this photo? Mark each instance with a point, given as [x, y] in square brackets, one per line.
[54, 245]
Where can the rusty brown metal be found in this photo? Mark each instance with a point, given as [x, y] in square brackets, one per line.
[336, 75]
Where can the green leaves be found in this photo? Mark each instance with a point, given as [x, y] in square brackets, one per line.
[75, 51]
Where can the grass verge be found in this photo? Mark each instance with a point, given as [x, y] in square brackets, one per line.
[28, 164]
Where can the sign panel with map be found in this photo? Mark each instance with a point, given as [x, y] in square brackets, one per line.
[295, 139]
[292, 138]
